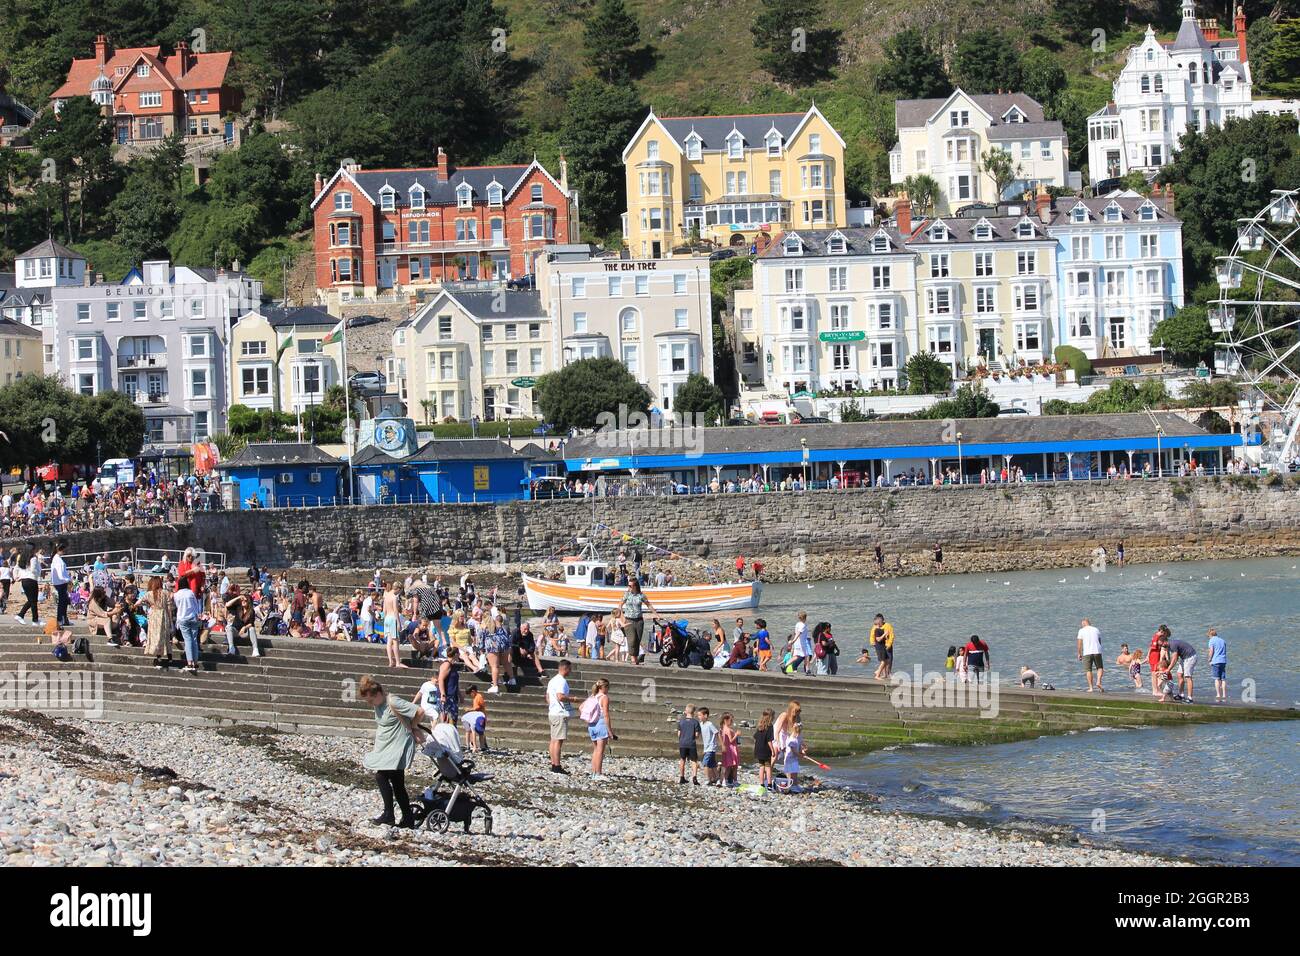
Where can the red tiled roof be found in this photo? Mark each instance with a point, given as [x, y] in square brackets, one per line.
[207, 70]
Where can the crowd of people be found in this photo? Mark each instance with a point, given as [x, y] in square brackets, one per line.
[54, 508]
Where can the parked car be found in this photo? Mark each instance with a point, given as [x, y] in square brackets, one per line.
[368, 383]
[1008, 412]
[522, 282]
[738, 421]
[719, 254]
[811, 420]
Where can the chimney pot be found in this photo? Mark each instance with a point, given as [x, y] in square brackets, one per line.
[443, 166]
[903, 216]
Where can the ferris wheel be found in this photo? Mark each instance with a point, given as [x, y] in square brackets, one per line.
[1258, 315]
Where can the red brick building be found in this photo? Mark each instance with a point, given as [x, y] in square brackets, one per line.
[150, 96]
[395, 231]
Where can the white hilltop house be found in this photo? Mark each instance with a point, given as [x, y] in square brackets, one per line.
[1197, 80]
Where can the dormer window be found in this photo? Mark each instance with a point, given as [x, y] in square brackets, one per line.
[417, 196]
[494, 194]
[1079, 214]
[983, 231]
[835, 245]
[773, 143]
[1025, 229]
[535, 194]
[792, 246]
[343, 202]
[387, 199]
[1147, 213]
[1014, 115]
[938, 232]
[1112, 213]
[693, 150]
[464, 196]
[880, 244]
[735, 145]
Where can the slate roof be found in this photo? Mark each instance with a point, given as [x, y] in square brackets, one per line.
[50, 248]
[713, 130]
[305, 316]
[857, 241]
[437, 193]
[518, 304]
[1190, 37]
[962, 229]
[1129, 206]
[10, 327]
[913, 113]
[279, 453]
[1048, 129]
[975, 431]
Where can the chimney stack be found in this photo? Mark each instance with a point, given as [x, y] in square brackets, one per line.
[1043, 202]
[183, 57]
[903, 216]
[564, 175]
[102, 50]
[443, 174]
[1169, 198]
[320, 184]
[1239, 24]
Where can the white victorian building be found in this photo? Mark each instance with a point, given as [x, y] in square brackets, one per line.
[1200, 79]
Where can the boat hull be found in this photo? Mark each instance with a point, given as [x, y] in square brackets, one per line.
[702, 598]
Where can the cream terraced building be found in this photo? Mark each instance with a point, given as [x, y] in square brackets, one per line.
[476, 354]
[830, 309]
[292, 379]
[20, 351]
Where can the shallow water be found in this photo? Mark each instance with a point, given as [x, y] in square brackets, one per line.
[1213, 792]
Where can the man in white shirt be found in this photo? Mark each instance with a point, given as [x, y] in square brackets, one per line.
[1088, 645]
[558, 710]
[60, 578]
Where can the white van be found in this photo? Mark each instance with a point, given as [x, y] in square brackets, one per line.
[116, 471]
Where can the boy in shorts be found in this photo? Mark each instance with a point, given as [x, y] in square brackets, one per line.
[709, 744]
[688, 728]
[762, 643]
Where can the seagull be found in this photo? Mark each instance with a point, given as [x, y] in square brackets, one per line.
[1063, 581]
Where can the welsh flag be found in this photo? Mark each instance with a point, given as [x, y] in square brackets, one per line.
[335, 335]
[285, 341]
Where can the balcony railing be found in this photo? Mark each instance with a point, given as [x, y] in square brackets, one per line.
[443, 245]
[151, 360]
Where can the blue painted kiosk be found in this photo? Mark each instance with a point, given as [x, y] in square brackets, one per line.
[451, 470]
[283, 475]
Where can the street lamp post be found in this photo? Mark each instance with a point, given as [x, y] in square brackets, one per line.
[961, 474]
[1160, 463]
[804, 443]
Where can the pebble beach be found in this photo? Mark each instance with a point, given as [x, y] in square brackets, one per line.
[88, 793]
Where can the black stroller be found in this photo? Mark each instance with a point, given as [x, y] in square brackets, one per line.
[451, 797]
[683, 647]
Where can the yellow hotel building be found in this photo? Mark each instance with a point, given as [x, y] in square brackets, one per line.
[735, 181]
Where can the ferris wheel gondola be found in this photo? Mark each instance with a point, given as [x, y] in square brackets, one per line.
[1257, 315]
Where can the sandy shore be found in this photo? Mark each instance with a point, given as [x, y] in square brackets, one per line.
[87, 793]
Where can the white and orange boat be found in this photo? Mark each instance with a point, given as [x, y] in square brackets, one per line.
[583, 588]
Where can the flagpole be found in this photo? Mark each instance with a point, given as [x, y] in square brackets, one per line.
[348, 430]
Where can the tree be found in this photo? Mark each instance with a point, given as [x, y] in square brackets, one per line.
[45, 421]
[700, 396]
[792, 43]
[986, 61]
[970, 401]
[577, 395]
[999, 165]
[852, 411]
[1073, 357]
[340, 123]
[612, 41]
[1186, 336]
[1224, 174]
[923, 191]
[117, 423]
[75, 146]
[143, 215]
[1081, 18]
[601, 119]
[1042, 77]
[926, 375]
[912, 68]
[1280, 62]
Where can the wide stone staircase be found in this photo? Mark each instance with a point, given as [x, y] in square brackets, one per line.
[308, 686]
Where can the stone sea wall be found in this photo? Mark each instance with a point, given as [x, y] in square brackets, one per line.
[827, 533]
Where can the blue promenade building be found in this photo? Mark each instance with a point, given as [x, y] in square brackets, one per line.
[283, 475]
